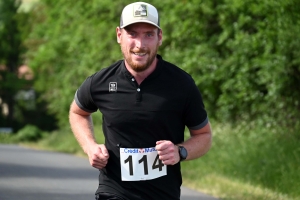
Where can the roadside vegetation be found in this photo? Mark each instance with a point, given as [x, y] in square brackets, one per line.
[243, 56]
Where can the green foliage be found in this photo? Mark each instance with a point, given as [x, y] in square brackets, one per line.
[70, 41]
[5, 138]
[10, 39]
[243, 55]
[63, 140]
[29, 133]
[249, 154]
[9, 55]
[12, 32]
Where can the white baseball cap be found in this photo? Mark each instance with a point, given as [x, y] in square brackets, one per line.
[139, 12]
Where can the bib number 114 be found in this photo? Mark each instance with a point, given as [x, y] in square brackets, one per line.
[138, 164]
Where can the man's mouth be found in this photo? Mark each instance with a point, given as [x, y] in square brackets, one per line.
[139, 54]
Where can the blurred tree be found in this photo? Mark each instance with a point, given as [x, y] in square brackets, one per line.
[10, 51]
[70, 40]
[18, 104]
[243, 55]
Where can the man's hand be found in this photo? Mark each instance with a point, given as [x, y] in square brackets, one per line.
[98, 156]
[168, 152]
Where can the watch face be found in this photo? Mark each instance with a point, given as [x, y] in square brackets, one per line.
[182, 153]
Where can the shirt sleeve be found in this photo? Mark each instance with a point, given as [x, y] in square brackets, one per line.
[195, 113]
[83, 96]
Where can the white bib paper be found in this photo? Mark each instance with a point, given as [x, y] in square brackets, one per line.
[141, 164]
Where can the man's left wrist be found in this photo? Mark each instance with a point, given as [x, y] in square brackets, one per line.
[182, 152]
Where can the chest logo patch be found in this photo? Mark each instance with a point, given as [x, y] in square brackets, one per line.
[112, 87]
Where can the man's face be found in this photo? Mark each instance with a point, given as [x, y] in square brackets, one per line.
[139, 44]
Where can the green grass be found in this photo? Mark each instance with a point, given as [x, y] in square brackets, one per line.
[244, 163]
[6, 138]
[247, 164]
[62, 141]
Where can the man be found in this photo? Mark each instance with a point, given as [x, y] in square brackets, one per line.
[146, 103]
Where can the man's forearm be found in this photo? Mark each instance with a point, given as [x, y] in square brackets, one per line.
[82, 128]
[199, 143]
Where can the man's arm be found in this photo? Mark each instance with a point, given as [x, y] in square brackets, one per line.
[82, 127]
[197, 145]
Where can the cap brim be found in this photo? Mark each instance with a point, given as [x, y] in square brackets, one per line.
[140, 21]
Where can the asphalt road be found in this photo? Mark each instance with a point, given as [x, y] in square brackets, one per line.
[28, 174]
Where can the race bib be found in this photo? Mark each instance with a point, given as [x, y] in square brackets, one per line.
[141, 164]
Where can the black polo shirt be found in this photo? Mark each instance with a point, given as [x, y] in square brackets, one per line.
[136, 116]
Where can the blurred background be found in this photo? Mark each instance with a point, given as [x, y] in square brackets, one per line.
[243, 55]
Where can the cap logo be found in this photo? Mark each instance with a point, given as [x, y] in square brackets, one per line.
[140, 10]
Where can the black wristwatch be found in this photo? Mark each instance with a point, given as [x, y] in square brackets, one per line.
[182, 152]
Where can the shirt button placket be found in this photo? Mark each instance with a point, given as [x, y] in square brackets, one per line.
[138, 95]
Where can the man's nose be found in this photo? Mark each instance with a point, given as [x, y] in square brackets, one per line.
[139, 43]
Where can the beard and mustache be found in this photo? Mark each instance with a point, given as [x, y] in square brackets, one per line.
[139, 66]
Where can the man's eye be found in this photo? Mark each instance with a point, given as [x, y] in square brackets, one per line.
[149, 34]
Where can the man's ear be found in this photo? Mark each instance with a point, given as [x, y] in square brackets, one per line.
[118, 32]
[160, 37]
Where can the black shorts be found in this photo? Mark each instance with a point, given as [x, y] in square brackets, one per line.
[107, 196]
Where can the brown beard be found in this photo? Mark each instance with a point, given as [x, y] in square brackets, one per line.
[140, 67]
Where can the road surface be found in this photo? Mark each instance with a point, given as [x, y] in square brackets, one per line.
[29, 174]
